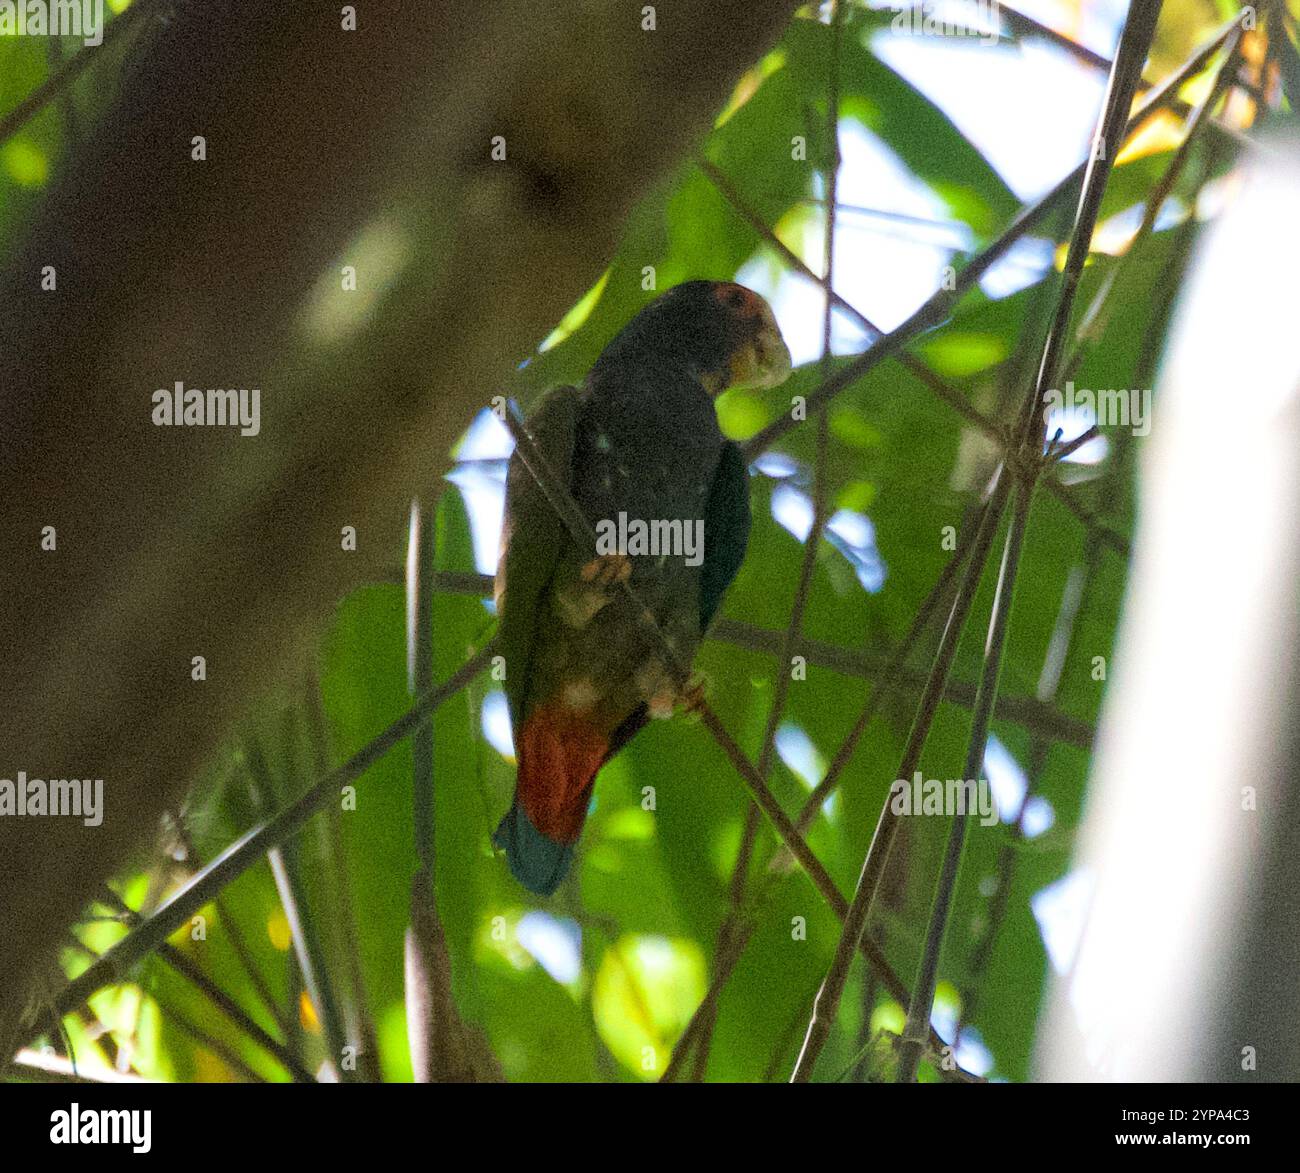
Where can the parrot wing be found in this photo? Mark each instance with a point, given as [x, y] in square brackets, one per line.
[532, 537]
[726, 534]
[726, 530]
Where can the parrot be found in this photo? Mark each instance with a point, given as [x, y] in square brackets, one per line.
[637, 443]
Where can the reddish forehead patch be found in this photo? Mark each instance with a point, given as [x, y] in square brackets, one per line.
[742, 302]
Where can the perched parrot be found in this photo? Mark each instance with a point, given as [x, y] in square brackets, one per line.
[638, 442]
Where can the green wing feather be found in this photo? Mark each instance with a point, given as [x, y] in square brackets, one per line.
[532, 538]
[726, 534]
[726, 530]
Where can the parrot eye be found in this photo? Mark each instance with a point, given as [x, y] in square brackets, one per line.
[737, 299]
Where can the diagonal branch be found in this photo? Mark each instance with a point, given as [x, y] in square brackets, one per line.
[1134, 44]
[917, 1029]
[115, 963]
[920, 621]
[915, 366]
[61, 80]
[188, 969]
[1093, 321]
[855, 922]
[1058, 653]
[303, 919]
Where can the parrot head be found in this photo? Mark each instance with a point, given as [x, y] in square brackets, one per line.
[705, 320]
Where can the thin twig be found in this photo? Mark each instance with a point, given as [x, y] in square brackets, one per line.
[812, 545]
[915, 366]
[298, 913]
[1062, 451]
[115, 963]
[188, 969]
[1135, 41]
[179, 1020]
[855, 922]
[71, 69]
[175, 1017]
[1049, 680]
[419, 671]
[360, 1024]
[917, 1029]
[1096, 528]
[1093, 322]
[1024, 25]
[42, 1067]
[238, 943]
[920, 621]
[732, 944]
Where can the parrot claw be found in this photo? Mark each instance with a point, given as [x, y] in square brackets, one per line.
[663, 696]
[661, 705]
[693, 697]
[607, 570]
[580, 602]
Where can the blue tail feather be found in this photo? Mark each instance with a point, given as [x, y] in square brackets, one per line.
[537, 862]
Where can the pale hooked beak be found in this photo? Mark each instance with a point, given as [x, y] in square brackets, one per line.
[763, 361]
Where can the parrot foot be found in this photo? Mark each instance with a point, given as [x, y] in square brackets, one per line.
[693, 697]
[661, 705]
[668, 698]
[607, 570]
[580, 602]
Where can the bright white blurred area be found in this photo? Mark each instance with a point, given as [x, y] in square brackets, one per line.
[555, 943]
[1008, 782]
[971, 1053]
[1061, 910]
[1190, 765]
[480, 475]
[796, 749]
[496, 724]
